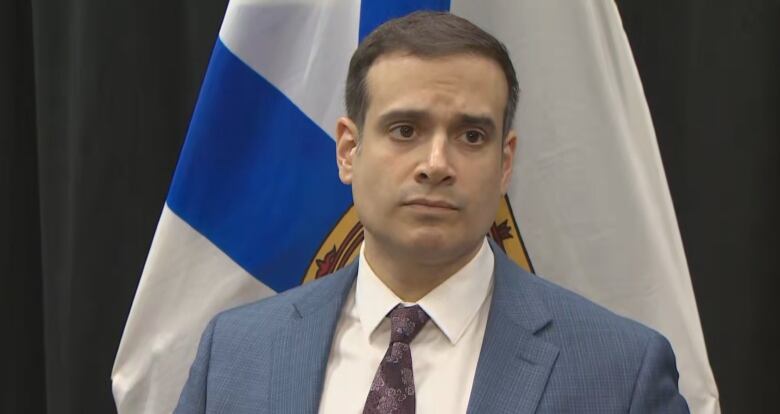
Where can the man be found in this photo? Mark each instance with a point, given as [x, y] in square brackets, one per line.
[431, 317]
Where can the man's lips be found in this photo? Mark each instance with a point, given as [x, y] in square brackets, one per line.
[431, 203]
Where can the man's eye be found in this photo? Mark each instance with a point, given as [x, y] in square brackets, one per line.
[402, 132]
[473, 137]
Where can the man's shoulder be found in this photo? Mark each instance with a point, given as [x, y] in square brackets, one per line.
[577, 319]
[275, 310]
[601, 356]
[573, 311]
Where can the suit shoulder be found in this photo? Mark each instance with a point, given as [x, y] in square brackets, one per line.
[601, 356]
[571, 313]
[280, 306]
[579, 314]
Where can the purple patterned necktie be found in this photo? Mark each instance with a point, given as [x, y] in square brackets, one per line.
[393, 388]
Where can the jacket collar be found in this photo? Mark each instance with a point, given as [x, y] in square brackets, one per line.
[302, 348]
[514, 364]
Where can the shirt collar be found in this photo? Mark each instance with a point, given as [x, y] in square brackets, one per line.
[451, 306]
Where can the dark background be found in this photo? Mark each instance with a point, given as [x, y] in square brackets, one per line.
[95, 99]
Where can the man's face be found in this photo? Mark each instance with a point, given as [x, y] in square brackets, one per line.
[428, 167]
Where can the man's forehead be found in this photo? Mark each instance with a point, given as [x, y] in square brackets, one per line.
[398, 82]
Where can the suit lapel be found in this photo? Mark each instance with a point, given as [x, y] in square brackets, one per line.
[302, 349]
[514, 365]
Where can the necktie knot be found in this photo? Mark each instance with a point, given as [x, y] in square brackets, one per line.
[406, 323]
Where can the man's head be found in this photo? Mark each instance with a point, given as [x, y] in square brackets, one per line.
[426, 35]
[427, 146]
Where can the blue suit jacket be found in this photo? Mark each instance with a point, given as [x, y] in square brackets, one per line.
[545, 350]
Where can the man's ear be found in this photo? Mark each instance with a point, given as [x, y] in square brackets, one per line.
[346, 147]
[507, 159]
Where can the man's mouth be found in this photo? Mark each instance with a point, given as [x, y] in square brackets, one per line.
[431, 203]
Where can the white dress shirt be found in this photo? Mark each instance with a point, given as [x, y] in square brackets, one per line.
[444, 353]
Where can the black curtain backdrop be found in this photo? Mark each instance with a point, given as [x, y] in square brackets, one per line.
[711, 74]
[95, 99]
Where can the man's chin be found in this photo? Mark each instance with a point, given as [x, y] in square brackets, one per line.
[437, 248]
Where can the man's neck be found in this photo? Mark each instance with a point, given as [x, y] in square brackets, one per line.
[410, 277]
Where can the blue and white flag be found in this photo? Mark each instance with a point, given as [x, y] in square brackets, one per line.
[256, 206]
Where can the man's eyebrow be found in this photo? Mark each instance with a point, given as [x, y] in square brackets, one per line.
[482, 121]
[403, 114]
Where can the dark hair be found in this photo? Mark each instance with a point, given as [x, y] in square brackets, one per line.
[425, 34]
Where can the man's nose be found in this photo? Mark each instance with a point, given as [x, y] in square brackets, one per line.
[436, 167]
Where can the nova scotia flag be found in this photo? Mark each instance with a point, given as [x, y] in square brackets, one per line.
[256, 196]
